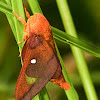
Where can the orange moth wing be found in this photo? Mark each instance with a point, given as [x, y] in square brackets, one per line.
[40, 61]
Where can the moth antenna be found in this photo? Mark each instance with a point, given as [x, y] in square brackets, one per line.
[19, 18]
[27, 13]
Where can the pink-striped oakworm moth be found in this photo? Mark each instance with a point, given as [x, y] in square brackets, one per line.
[39, 56]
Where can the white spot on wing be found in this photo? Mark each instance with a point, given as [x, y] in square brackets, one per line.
[33, 61]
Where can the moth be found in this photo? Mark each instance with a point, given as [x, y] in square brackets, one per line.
[39, 56]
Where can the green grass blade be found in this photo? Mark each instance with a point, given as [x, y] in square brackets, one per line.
[12, 25]
[80, 61]
[71, 94]
[5, 8]
[8, 2]
[11, 20]
[36, 8]
[44, 94]
[17, 7]
[6, 11]
[5, 5]
[36, 97]
[66, 38]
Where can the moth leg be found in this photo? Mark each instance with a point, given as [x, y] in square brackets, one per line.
[24, 22]
[21, 42]
[19, 55]
[19, 18]
[24, 38]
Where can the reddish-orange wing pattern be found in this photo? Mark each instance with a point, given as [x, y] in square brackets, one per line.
[40, 61]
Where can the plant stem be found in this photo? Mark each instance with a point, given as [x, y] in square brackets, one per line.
[66, 38]
[79, 58]
[35, 7]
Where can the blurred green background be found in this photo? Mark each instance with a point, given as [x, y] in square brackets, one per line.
[86, 16]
